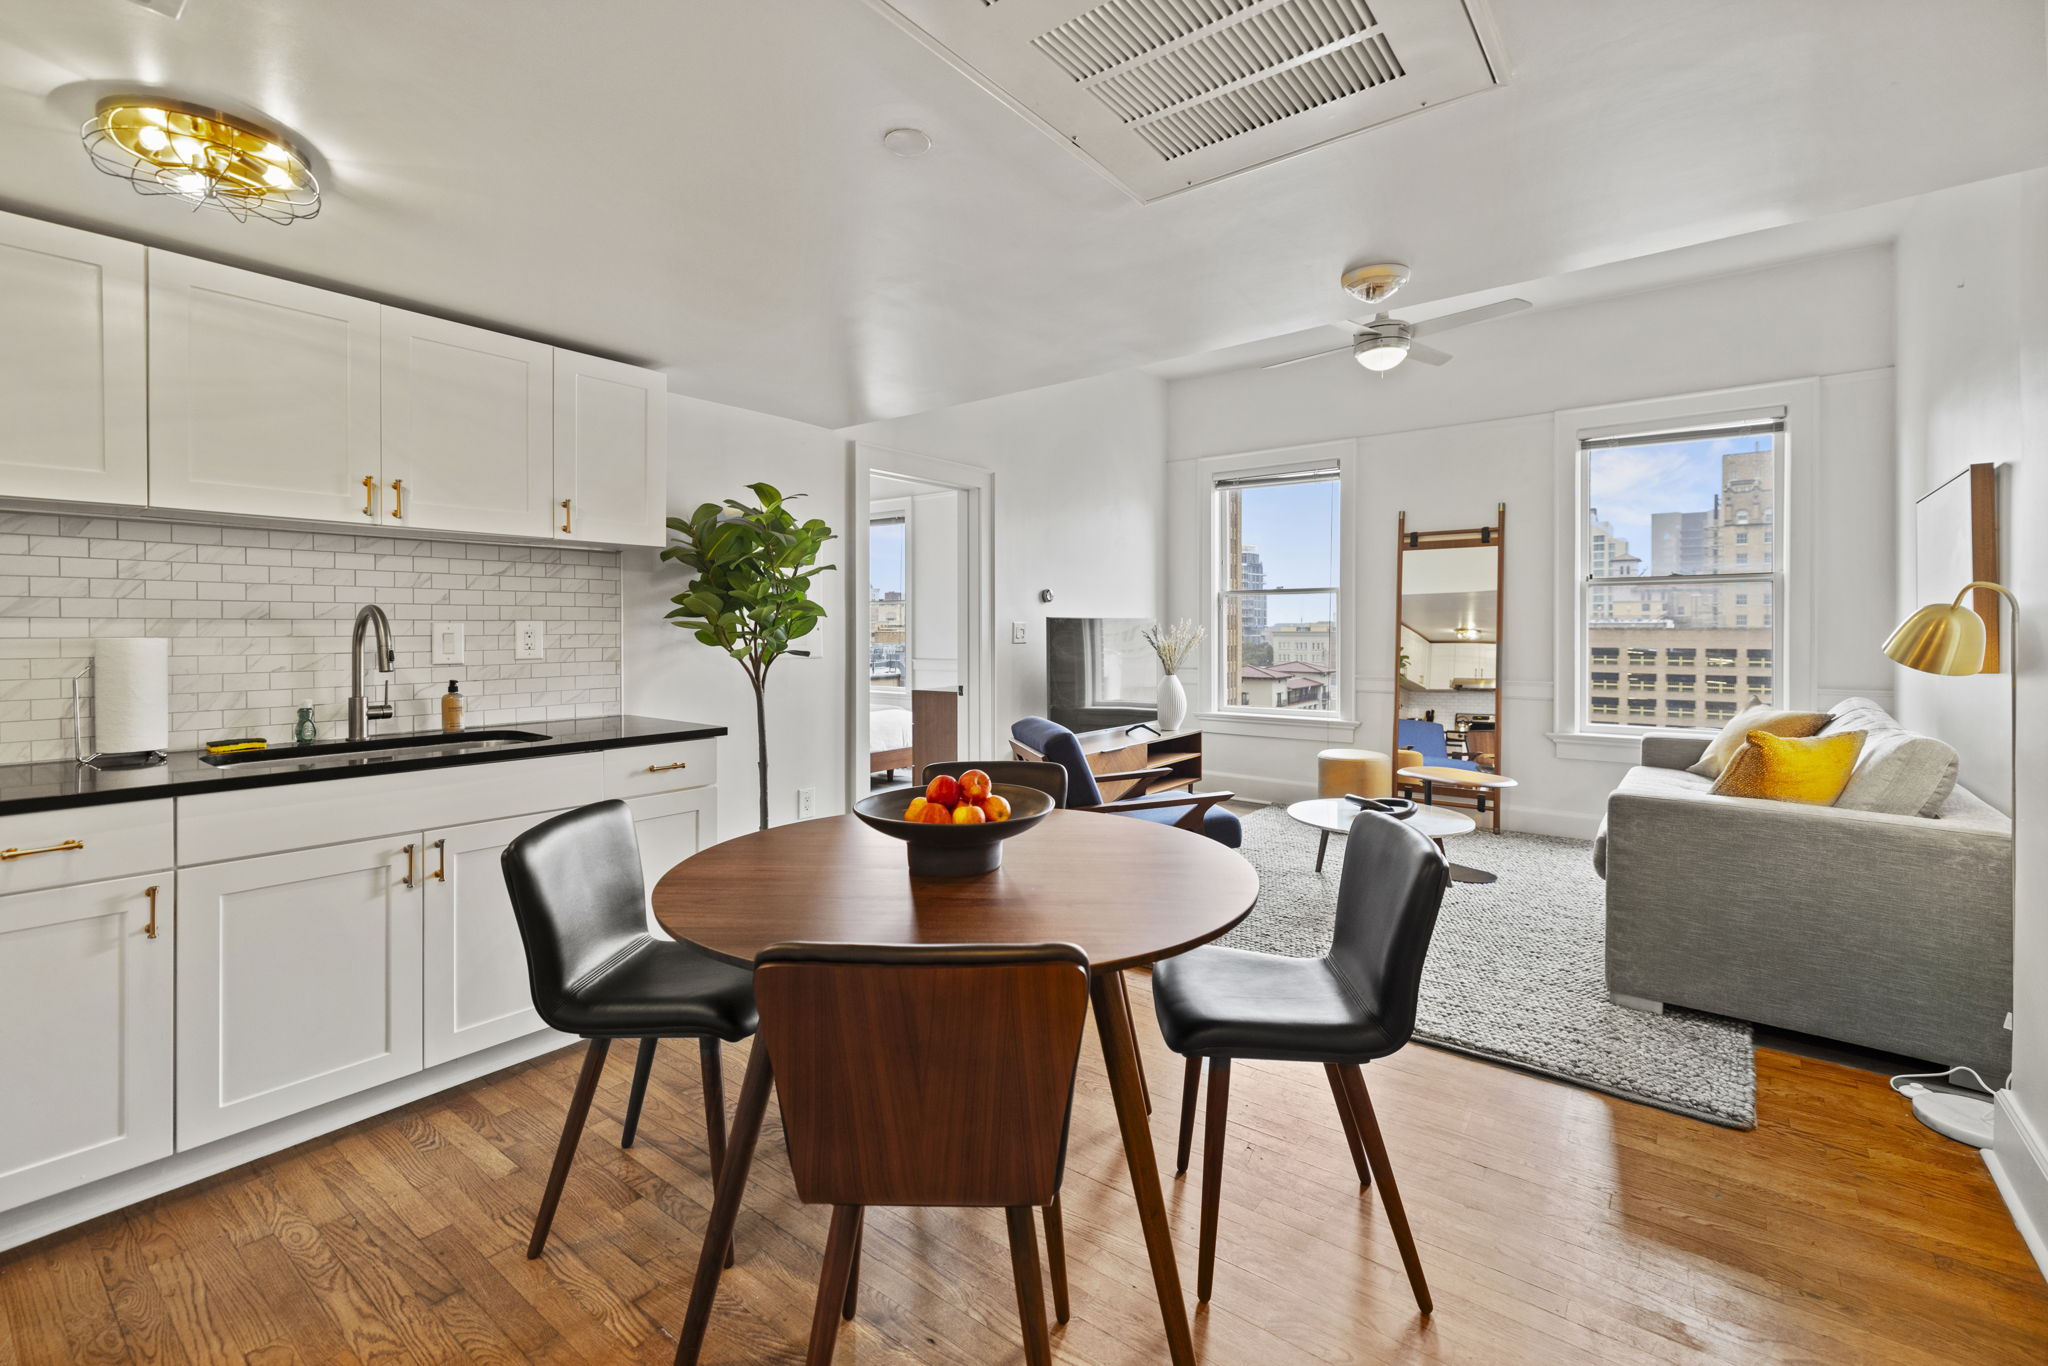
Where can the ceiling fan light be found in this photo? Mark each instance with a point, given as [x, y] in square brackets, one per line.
[1380, 353]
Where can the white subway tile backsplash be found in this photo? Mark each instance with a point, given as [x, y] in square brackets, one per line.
[259, 624]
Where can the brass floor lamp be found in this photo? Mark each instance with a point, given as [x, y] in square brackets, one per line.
[1949, 640]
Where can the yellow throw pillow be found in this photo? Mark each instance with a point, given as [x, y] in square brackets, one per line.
[1736, 732]
[1782, 769]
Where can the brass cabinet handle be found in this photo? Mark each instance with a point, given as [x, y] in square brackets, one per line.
[369, 495]
[408, 866]
[398, 492]
[149, 930]
[665, 768]
[441, 848]
[9, 855]
[565, 514]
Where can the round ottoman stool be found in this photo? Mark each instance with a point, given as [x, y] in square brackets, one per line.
[1347, 772]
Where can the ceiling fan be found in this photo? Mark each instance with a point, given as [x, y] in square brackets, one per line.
[1385, 342]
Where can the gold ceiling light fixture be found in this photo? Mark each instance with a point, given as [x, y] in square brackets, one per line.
[205, 157]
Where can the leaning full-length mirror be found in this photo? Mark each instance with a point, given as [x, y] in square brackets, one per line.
[1447, 660]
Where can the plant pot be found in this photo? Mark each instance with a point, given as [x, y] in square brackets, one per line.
[1173, 703]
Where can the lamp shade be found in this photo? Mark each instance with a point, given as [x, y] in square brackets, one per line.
[1940, 638]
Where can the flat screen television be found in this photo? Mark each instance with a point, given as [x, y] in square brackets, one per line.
[1099, 672]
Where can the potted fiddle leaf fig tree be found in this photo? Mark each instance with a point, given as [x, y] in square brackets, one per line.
[750, 597]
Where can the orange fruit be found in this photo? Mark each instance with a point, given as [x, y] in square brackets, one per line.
[975, 783]
[915, 809]
[968, 814]
[944, 789]
[996, 808]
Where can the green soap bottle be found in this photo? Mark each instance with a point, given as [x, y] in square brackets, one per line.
[305, 733]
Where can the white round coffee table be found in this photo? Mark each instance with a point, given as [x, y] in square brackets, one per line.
[1333, 816]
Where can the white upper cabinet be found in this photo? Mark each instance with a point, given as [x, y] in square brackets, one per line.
[468, 428]
[73, 379]
[263, 395]
[611, 452]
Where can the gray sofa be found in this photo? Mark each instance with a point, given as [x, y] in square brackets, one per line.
[1889, 931]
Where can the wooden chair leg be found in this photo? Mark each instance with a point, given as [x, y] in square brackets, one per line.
[1212, 1174]
[832, 1284]
[1390, 1193]
[1030, 1297]
[725, 1206]
[1131, 1022]
[1350, 1124]
[1056, 1258]
[565, 1150]
[860, 1238]
[1190, 1092]
[712, 1069]
[643, 1065]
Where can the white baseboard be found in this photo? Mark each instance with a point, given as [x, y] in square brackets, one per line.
[1260, 787]
[2018, 1159]
[1532, 820]
[54, 1213]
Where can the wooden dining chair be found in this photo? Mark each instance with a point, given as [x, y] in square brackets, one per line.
[1352, 1006]
[938, 1075]
[1048, 778]
[595, 971]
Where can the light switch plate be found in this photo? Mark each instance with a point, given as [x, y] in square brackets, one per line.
[1019, 633]
[528, 640]
[448, 642]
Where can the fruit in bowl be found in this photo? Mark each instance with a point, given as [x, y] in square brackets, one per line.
[955, 827]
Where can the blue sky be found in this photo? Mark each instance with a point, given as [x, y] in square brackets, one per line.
[885, 557]
[1626, 484]
[1294, 527]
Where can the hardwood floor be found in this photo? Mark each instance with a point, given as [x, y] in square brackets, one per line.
[1556, 1226]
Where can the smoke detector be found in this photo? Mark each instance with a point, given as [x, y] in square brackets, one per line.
[1374, 282]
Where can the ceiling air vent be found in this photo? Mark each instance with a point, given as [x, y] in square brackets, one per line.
[1168, 94]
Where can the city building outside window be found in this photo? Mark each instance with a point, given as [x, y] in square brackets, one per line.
[1275, 632]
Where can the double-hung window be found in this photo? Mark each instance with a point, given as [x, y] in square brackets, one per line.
[1680, 567]
[1277, 622]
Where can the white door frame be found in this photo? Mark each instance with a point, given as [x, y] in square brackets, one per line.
[977, 554]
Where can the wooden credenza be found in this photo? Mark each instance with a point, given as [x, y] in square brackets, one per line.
[1121, 750]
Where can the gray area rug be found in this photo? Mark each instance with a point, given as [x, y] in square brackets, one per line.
[1516, 971]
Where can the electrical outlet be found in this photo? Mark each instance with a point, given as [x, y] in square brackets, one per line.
[528, 640]
[1019, 633]
[447, 642]
[806, 803]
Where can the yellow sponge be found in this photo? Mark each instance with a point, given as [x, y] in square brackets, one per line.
[231, 746]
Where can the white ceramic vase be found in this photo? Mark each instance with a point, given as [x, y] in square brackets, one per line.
[1173, 703]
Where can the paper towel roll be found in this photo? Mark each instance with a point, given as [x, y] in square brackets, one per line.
[131, 690]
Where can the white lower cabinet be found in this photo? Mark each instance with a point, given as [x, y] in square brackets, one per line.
[298, 982]
[85, 1008]
[673, 826]
[477, 989]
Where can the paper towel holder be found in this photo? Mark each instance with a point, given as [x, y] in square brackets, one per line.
[141, 758]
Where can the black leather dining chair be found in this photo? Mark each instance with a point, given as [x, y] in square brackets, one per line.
[1049, 778]
[1352, 1006]
[597, 972]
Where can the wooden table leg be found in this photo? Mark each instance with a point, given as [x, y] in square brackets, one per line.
[1119, 1057]
[725, 1207]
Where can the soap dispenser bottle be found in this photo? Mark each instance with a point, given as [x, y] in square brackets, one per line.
[305, 732]
[451, 706]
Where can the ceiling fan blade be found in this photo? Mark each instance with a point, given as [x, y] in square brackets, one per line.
[1484, 313]
[1313, 355]
[1428, 355]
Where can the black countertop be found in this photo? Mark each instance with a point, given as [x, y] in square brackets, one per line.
[56, 786]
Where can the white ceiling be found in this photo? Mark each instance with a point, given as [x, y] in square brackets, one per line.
[701, 186]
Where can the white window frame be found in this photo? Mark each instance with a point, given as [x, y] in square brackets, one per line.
[1217, 714]
[1797, 403]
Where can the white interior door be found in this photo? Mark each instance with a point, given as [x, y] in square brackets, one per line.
[263, 395]
[73, 377]
[478, 992]
[298, 982]
[85, 1008]
[611, 452]
[469, 436]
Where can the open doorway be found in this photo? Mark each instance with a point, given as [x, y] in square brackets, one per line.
[919, 693]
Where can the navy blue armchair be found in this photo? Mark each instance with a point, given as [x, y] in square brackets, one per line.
[1427, 739]
[1037, 738]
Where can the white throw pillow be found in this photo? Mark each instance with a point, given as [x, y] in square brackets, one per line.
[1796, 725]
[1901, 774]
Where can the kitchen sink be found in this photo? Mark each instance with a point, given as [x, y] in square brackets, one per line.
[381, 748]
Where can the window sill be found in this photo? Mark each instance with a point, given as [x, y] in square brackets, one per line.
[1272, 726]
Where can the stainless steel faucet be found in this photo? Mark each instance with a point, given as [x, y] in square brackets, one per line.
[362, 711]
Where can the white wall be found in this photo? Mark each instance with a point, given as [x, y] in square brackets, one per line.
[1973, 386]
[1448, 444]
[714, 452]
[1077, 508]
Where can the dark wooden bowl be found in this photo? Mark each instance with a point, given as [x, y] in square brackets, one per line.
[953, 850]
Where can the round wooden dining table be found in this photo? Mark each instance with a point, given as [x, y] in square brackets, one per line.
[1128, 892]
